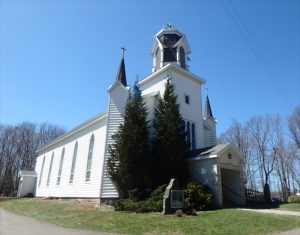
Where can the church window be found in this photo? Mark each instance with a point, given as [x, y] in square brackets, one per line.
[193, 137]
[60, 166]
[187, 99]
[188, 132]
[89, 160]
[182, 57]
[50, 169]
[183, 125]
[42, 169]
[73, 163]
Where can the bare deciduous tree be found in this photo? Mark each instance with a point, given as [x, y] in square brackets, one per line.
[239, 135]
[18, 145]
[270, 154]
[267, 134]
[294, 125]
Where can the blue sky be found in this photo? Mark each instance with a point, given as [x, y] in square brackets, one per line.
[57, 58]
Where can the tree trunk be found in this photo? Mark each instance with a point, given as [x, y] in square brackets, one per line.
[267, 193]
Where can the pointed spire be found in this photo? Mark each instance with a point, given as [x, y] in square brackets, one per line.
[121, 76]
[208, 112]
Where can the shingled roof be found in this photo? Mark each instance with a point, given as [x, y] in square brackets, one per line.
[28, 173]
[208, 112]
[121, 75]
[202, 152]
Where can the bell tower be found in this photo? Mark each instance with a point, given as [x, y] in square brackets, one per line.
[170, 46]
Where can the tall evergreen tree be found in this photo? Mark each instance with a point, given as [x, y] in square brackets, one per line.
[128, 162]
[170, 147]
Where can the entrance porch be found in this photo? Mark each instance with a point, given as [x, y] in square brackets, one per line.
[221, 168]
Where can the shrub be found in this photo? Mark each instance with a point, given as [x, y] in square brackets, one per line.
[197, 197]
[126, 205]
[134, 194]
[154, 203]
[13, 194]
[294, 199]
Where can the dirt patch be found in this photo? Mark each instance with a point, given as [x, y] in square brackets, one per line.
[88, 206]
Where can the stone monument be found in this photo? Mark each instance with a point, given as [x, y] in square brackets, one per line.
[173, 198]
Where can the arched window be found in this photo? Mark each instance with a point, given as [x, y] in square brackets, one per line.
[42, 169]
[60, 166]
[188, 133]
[89, 160]
[50, 169]
[193, 136]
[182, 57]
[73, 163]
[157, 58]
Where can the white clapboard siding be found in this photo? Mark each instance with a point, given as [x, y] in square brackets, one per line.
[191, 112]
[185, 84]
[210, 132]
[80, 187]
[117, 102]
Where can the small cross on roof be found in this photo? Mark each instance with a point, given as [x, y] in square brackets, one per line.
[123, 50]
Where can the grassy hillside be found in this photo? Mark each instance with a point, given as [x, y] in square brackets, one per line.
[84, 215]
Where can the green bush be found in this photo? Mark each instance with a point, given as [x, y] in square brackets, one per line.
[125, 205]
[197, 197]
[294, 199]
[134, 194]
[152, 204]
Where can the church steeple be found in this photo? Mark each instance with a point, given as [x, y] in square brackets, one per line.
[208, 112]
[170, 46]
[121, 75]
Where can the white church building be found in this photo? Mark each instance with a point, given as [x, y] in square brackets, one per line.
[74, 164]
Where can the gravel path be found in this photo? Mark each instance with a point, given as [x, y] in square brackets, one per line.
[290, 232]
[279, 212]
[13, 224]
[273, 211]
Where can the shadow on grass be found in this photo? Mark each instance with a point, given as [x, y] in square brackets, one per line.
[262, 205]
[3, 199]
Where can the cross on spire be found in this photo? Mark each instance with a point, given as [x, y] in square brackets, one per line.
[123, 50]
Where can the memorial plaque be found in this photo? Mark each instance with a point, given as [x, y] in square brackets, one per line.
[177, 197]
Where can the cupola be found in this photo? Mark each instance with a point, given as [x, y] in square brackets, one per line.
[170, 46]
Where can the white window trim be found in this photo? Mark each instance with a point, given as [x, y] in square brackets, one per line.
[73, 163]
[90, 158]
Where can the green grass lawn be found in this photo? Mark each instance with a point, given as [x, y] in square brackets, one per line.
[81, 216]
[290, 207]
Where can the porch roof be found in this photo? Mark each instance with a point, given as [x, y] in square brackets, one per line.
[208, 151]
[28, 173]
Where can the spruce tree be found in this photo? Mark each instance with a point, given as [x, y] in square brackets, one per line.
[128, 162]
[169, 145]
